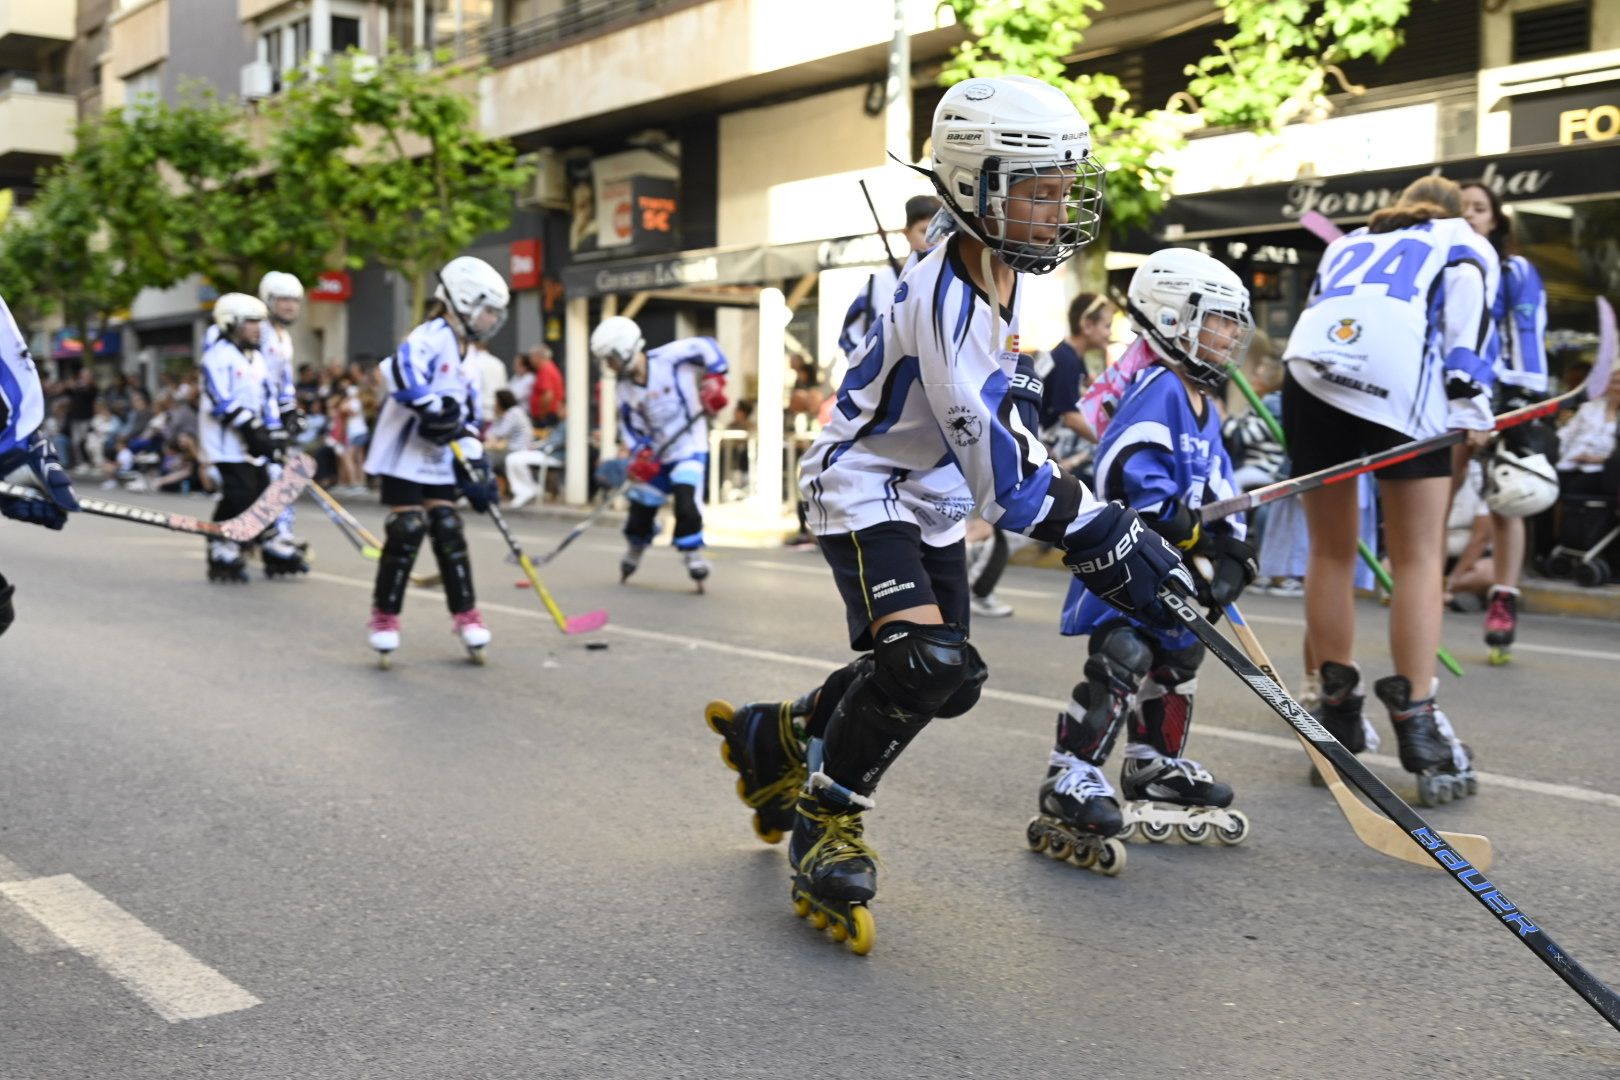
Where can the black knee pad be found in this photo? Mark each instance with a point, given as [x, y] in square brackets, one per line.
[1173, 668]
[967, 695]
[1119, 655]
[403, 532]
[640, 526]
[688, 518]
[919, 667]
[832, 692]
[1088, 728]
[450, 549]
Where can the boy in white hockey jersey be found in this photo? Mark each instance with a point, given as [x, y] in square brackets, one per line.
[666, 396]
[1161, 454]
[929, 426]
[23, 443]
[283, 297]
[241, 433]
[432, 402]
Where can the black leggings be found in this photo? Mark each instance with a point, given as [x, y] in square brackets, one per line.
[240, 483]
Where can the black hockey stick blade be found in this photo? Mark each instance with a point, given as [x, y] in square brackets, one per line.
[244, 527]
[1593, 990]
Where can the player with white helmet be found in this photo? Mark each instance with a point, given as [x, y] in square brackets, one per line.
[666, 396]
[432, 402]
[283, 297]
[937, 419]
[241, 432]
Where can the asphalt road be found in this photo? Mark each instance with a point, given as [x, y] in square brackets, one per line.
[232, 847]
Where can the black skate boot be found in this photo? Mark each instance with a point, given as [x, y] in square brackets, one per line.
[1339, 708]
[282, 559]
[1079, 816]
[764, 744]
[1167, 795]
[1501, 620]
[225, 562]
[1429, 749]
[630, 561]
[834, 869]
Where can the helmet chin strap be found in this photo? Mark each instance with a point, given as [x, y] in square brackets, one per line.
[450, 304]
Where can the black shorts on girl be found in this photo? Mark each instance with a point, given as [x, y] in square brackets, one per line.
[397, 491]
[887, 568]
[1321, 435]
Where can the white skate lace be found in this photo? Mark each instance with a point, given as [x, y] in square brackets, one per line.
[1189, 768]
[1079, 779]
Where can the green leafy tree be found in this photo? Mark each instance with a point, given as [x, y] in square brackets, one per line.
[393, 151]
[1283, 56]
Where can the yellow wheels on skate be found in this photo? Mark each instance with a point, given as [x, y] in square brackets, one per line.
[852, 925]
[1047, 837]
[718, 715]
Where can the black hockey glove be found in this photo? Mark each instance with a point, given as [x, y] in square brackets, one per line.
[442, 426]
[40, 457]
[294, 420]
[1233, 568]
[34, 511]
[1125, 563]
[475, 481]
[264, 442]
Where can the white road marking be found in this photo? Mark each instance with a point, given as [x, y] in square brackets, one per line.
[22, 930]
[174, 983]
[1254, 738]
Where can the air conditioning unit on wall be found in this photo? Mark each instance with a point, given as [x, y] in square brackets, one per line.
[257, 80]
[548, 187]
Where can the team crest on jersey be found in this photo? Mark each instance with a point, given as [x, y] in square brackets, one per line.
[1344, 332]
[1012, 343]
[963, 425]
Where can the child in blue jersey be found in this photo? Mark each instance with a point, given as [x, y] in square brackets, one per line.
[666, 396]
[23, 443]
[1517, 350]
[1162, 455]
[937, 419]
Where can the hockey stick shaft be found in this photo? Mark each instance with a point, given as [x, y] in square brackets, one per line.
[242, 528]
[590, 519]
[1529, 932]
[354, 532]
[1368, 556]
[882, 233]
[564, 624]
[1376, 832]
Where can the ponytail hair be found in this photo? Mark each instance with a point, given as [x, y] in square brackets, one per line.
[1425, 199]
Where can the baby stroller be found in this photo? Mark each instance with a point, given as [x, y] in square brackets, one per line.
[1587, 525]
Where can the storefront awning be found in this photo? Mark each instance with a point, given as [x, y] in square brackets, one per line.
[1350, 198]
[723, 266]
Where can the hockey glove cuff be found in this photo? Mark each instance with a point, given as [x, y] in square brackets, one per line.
[442, 425]
[47, 469]
[1233, 567]
[712, 393]
[1125, 563]
[644, 468]
[473, 476]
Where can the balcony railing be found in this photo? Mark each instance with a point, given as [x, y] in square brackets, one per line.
[577, 19]
[32, 82]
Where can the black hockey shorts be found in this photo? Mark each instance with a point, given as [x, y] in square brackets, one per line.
[887, 568]
[1320, 435]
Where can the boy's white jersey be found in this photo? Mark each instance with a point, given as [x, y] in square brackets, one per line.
[275, 344]
[236, 391]
[1389, 314]
[651, 415]
[427, 368]
[931, 422]
[22, 401]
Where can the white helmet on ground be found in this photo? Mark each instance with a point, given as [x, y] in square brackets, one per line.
[1518, 485]
[991, 134]
[616, 341]
[280, 285]
[1194, 312]
[234, 309]
[476, 295]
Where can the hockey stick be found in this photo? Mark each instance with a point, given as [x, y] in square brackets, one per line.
[364, 541]
[1376, 832]
[882, 234]
[1368, 556]
[243, 528]
[1530, 934]
[579, 530]
[578, 624]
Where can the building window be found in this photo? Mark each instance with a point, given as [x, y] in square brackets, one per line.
[345, 34]
[145, 85]
[300, 41]
[1552, 31]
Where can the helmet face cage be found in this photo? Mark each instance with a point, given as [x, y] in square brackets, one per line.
[484, 321]
[1519, 485]
[1200, 337]
[1033, 235]
[616, 342]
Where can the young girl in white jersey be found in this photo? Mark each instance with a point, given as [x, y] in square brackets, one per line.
[937, 419]
[432, 402]
[1389, 351]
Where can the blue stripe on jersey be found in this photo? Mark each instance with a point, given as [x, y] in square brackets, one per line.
[965, 315]
[889, 407]
[11, 438]
[861, 375]
[1021, 503]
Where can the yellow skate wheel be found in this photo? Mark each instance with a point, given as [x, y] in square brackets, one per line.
[1035, 835]
[1057, 848]
[725, 756]
[863, 930]
[1085, 856]
[1111, 859]
[717, 713]
[801, 906]
[770, 836]
[838, 932]
[818, 919]
[1498, 656]
[742, 789]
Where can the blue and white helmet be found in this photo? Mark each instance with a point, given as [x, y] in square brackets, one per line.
[1194, 312]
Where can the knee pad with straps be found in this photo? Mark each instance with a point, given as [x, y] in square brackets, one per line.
[403, 532]
[967, 695]
[1166, 702]
[1099, 704]
[455, 564]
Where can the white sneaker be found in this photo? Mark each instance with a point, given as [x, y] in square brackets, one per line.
[990, 607]
[1286, 587]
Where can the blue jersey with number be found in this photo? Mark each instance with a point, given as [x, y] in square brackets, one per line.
[1518, 327]
[1158, 450]
[1390, 316]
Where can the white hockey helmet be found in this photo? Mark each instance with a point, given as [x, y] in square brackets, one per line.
[990, 134]
[476, 295]
[616, 341]
[1194, 312]
[235, 309]
[278, 285]
[1518, 485]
